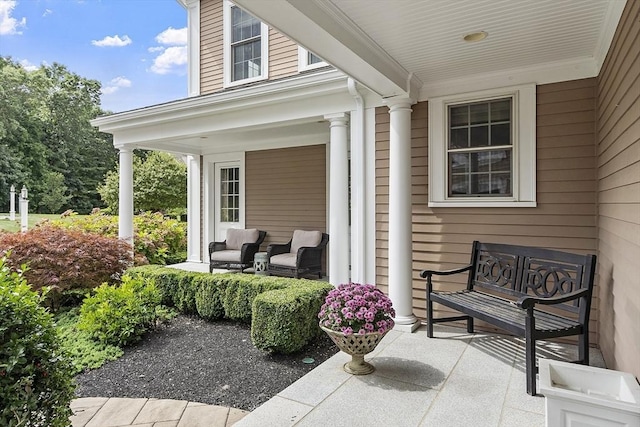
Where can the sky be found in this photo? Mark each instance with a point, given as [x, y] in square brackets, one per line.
[137, 49]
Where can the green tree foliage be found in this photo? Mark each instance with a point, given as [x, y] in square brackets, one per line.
[36, 384]
[45, 131]
[159, 184]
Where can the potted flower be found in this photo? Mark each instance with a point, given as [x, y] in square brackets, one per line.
[356, 317]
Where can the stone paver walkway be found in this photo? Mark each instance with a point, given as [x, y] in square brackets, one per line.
[121, 412]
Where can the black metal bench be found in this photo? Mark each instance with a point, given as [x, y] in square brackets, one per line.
[507, 285]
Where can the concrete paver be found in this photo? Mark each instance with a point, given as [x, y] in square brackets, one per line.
[448, 380]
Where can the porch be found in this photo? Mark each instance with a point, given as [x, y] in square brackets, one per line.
[456, 379]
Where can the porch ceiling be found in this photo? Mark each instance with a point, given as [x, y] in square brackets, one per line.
[537, 41]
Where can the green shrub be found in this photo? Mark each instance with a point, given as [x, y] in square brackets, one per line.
[210, 296]
[83, 351]
[282, 311]
[156, 239]
[65, 259]
[285, 320]
[120, 315]
[241, 290]
[35, 380]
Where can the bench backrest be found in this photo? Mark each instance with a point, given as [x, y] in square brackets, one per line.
[520, 270]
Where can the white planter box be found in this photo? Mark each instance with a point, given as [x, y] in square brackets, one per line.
[584, 396]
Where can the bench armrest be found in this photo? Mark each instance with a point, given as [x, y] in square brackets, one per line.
[426, 273]
[527, 302]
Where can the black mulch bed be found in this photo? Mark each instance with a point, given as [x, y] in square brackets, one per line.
[199, 361]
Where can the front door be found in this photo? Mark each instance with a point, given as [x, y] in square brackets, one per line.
[227, 198]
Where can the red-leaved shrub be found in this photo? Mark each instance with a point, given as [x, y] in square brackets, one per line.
[66, 259]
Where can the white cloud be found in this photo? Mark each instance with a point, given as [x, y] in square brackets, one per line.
[115, 85]
[47, 12]
[27, 65]
[168, 60]
[155, 49]
[8, 24]
[173, 37]
[114, 41]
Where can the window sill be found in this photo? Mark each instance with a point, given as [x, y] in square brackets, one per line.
[482, 204]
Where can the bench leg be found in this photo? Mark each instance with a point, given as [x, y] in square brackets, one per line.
[429, 316]
[470, 325]
[583, 348]
[530, 352]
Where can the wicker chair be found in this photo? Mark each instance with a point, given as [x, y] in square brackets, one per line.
[301, 256]
[237, 251]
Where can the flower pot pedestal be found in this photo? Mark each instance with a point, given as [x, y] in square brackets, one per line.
[357, 346]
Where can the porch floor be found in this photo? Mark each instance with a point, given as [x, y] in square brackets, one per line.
[454, 379]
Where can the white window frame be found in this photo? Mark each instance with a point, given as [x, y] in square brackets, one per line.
[524, 148]
[228, 66]
[303, 60]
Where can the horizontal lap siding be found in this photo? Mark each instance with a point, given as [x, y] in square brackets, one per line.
[283, 53]
[286, 190]
[564, 219]
[618, 136]
[211, 46]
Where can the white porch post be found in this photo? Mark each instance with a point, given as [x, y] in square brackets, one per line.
[125, 201]
[338, 200]
[193, 209]
[400, 253]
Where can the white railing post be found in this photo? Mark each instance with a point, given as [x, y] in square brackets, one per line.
[12, 203]
[24, 209]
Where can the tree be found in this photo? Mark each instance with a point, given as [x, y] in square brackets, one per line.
[159, 183]
[45, 130]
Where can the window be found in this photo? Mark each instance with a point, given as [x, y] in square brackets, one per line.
[479, 151]
[230, 194]
[308, 60]
[482, 148]
[245, 46]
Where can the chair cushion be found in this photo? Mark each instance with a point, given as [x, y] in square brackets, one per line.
[238, 237]
[288, 260]
[226, 256]
[303, 238]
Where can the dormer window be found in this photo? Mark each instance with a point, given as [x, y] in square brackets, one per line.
[245, 46]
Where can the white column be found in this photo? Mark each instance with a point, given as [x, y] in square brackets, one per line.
[400, 252]
[193, 47]
[338, 200]
[125, 206]
[193, 209]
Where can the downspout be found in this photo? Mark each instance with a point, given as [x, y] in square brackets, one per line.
[358, 191]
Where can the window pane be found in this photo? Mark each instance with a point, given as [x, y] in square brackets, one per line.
[481, 162]
[501, 110]
[479, 136]
[501, 161]
[459, 138]
[313, 59]
[458, 116]
[459, 163]
[501, 184]
[459, 185]
[479, 113]
[501, 134]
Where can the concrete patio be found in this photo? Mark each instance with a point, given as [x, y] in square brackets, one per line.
[455, 379]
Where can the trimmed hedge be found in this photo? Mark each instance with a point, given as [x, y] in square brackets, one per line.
[283, 312]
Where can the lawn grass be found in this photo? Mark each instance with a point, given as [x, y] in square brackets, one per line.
[12, 226]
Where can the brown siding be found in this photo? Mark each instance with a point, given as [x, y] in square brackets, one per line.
[618, 136]
[564, 219]
[211, 46]
[286, 190]
[283, 53]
